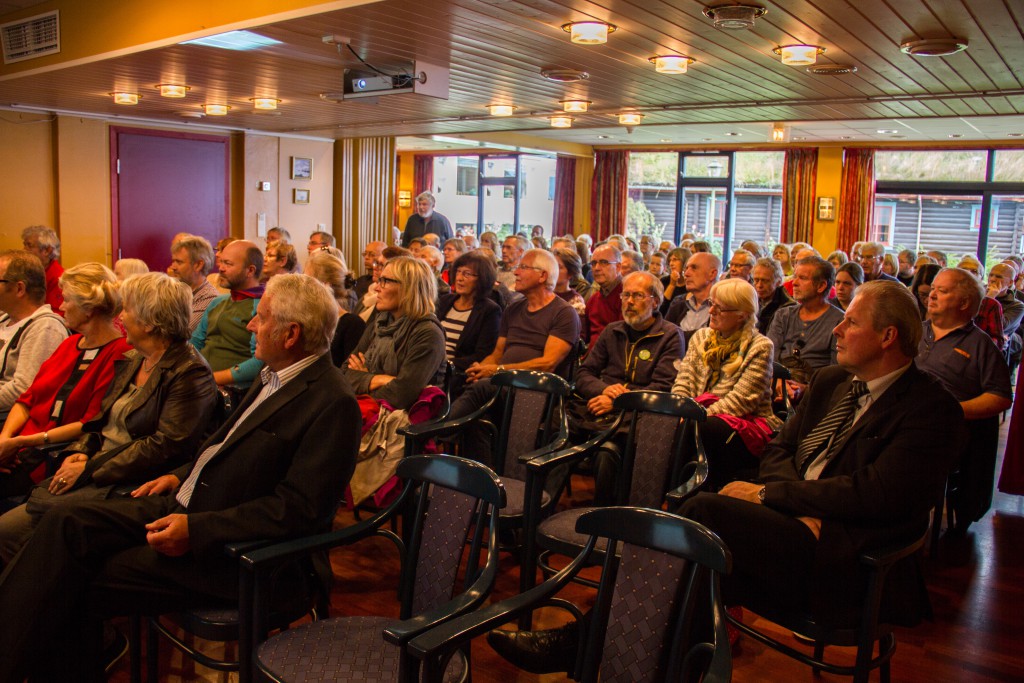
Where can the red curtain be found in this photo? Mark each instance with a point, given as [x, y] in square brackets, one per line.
[565, 196]
[856, 197]
[799, 176]
[608, 201]
[422, 174]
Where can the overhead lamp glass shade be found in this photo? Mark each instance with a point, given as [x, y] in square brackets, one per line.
[125, 97]
[575, 106]
[501, 109]
[170, 90]
[588, 32]
[778, 133]
[265, 102]
[671, 64]
[630, 119]
[799, 55]
[216, 109]
[561, 122]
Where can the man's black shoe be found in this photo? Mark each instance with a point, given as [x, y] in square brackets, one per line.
[539, 652]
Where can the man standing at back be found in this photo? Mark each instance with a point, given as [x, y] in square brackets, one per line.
[191, 262]
[426, 220]
[44, 243]
[222, 336]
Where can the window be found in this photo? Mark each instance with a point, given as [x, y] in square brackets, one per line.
[468, 183]
[935, 166]
[884, 220]
[928, 221]
[652, 187]
[758, 197]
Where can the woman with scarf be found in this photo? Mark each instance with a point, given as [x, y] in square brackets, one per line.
[728, 369]
[403, 348]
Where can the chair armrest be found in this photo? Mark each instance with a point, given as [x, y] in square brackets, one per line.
[550, 458]
[235, 550]
[441, 427]
[693, 483]
[887, 556]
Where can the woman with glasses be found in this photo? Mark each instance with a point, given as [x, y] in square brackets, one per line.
[469, 315]
[403, 348]
[728, 369]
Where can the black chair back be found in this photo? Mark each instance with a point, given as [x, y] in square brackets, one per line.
[533, 417]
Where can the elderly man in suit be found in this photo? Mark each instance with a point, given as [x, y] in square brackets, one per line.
[276, 470]
[858, 466]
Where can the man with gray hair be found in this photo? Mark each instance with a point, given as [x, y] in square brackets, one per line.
[741, 264]
[191, 261]
[320, 239]
[44, 243]
[426, 220]
[871, 258]
[274, 471]
[512, 249]
[964, 359]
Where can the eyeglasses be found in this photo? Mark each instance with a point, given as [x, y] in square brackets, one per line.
[602, 262]
[740, 265]
[635, 296]
[867, 257]
[378, 265]
[388, 281]
[465, 272]
[522, 267]
[719, 309]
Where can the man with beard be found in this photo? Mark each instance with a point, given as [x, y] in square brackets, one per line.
[191, 261]
[222, 336]
[632, 354]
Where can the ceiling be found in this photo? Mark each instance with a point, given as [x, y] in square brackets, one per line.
[494, 51]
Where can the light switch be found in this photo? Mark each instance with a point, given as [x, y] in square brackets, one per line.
[265, 186]
[261, 225]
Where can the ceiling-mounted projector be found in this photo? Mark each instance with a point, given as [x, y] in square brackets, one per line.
[421, 78]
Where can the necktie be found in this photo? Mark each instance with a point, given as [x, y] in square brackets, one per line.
[835, 425]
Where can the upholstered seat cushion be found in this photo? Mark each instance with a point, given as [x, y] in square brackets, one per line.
[558, 534]
[346, 649]
[515, 492]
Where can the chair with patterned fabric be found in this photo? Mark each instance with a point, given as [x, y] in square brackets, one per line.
[456, 504]
[658, 617]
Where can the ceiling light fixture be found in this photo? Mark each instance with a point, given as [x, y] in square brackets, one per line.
[575, 106]
[799, 54]
[501, 109]
[561, 121]
[265, 103]
[933, 47]
[172, 90]
[734, 17]
[778, 133]
[1015, 135]
[886, 131]
[564, 75]
[216, 109]
[955, 135]
[630, 118]
[732, 135]
[671, 64]
[588, 32]
[125, 97]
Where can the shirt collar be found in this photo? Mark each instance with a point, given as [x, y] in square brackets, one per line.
[287, 374]
[879, 385]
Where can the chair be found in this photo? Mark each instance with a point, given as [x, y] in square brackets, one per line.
[531, 422]
[650, 465]
[659, 591]
[456, 500]
[862, 635]
[780, 373]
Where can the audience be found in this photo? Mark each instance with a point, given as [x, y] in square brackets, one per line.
[320, 239]
[571, 286]
[630, 261]
[921, 285]
[766, 277]
[191, 260]
[126, 267]
[43, 243]
[279, 234]
[781, 254]
[426, 221]
[849, 277]
[604, 305]
[280, 259]
[469, 315]
[160, 400]
[330, 270]
[512, 250]
[692, 312]
[453, 249]
[741, 264]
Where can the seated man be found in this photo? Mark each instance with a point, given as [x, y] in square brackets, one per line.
[191, 262]
[871, 258]
[603, 305]
[30, 331]
[741, 265]
[803, 334]
[537, 332]
[371, 253]
[320, 239]
[276, 470]
[222, 335]
[635, 353]
[963, 358]
[767, 278]
[44, 243]
[693, 311]
[512, 250]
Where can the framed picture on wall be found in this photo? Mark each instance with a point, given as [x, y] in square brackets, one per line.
[300, 196]
[826, 208]
[302, 168]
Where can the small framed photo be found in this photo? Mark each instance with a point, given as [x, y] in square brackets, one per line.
[826, 208]
[300, 196]
[302, 168]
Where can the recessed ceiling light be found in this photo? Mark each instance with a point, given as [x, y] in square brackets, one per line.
[1015, 135]
[886, 131]
[561, 121]
[955, 135]
[666, 140]
[933, 47]
[799, 54]
[265, 103]
[630, 118]
[705, 139]
[501, 109]
[732, 135]
[216, 109]
[588, 32]
[125, 97]
[172, 90]
[575, 106]
[564, 75]
[602, 137]
[671, 64]
[235, 40]
[899, 137]
[799, 137]
[734, 17]
[845, 137]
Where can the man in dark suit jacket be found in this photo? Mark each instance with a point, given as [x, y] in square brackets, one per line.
[796, 535]
[276, 470]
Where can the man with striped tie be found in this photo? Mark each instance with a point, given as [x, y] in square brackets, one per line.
[858, 467]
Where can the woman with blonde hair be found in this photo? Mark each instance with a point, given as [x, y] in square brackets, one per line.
[126, 267]
[782, 254]
[330, 270]
[403, 349]
[728, 369]
[70, 384]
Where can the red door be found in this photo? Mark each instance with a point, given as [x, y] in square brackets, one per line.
[166, 183]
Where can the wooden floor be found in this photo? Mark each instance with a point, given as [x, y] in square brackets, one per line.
[976, 586]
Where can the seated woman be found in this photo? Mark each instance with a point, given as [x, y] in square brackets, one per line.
[570, 286]
[469, 316]
[400, 354]
[728, 369]
[849, 276]
[70, 384]
[330, 270]
[151, 420]
[921, 285]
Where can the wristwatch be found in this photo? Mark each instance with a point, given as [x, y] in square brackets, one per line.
[760, 494]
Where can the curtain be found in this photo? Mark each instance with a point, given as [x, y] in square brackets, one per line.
[608, 201]
[565, 196]
[364, 184]
[856, 197]
[799, 174]
[422, 174]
